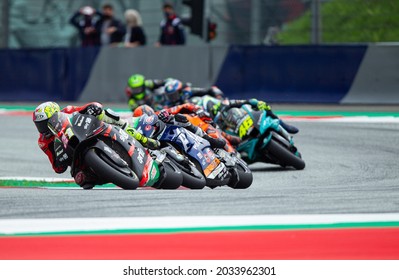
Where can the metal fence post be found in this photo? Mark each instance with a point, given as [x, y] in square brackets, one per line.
[5, 12]
[255, 22]
[316, 22]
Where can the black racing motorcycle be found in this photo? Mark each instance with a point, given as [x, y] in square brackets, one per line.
[108, 154]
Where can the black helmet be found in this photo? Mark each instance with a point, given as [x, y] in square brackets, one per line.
[233, 116]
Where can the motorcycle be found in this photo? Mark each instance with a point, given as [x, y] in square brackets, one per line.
[241, 174]
[189, 152]
[110, 155]
[264, 139]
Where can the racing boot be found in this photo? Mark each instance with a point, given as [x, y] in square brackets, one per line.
[215, 142]
[234, 140]
[145, 141]
[289, 128]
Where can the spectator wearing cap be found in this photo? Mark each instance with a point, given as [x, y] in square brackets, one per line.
[135, 35]
[85, 20]
[172, 30]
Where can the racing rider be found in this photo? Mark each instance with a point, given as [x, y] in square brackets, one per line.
[190, 108]
[141, 91]
[178, 93]
[255, 104]
[59, 159]
[179, 120]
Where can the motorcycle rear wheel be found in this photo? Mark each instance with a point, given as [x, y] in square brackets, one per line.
[171, 177]
[192, 178]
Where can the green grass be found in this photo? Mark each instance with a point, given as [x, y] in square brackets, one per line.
[348, 21]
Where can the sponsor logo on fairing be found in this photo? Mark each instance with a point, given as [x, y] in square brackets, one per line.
[87, 123]
[149, 119]
[140, 156]
[108, 149]
[123, 135]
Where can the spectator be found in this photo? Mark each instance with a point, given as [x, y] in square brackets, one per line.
[85, 21]
[172, 30]
[134, 32]
[111, 29]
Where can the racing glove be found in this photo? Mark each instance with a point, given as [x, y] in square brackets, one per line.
[165, 116]
[145, 141]
[260, 105]
[111, 117]
[94, 109]
[202, 113]
[216, 92]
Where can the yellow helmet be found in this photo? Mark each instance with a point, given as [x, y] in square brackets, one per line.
[42, 114]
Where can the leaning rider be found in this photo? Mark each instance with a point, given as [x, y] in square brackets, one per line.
[59, 159]
[180, 120]
[213, 106]
[178, 93]
[141, 91]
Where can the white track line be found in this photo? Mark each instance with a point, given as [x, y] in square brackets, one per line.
[38, 179]
[357, 119]
[15, 226]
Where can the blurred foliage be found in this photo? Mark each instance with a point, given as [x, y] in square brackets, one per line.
[348, 21]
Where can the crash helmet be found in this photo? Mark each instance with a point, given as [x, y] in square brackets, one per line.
[136, 87]
[143, 109]
[233, 116]
[42, 114]
[173, 90]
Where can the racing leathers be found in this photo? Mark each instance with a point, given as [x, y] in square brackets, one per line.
[182, 121]
[188, 92]
[151, 96]
[59, 158]
[256, 105]
[190, 108]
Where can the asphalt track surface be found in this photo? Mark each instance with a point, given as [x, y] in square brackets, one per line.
[351, 168]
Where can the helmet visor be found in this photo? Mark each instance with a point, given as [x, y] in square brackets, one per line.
[42, 127]
[137, 90]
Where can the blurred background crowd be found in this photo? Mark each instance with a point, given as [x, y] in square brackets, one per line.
[47, 23]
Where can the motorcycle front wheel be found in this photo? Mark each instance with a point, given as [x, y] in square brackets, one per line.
[241, 177]
[110, 172]
[283, 156]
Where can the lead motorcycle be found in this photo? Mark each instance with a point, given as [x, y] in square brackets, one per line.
[264, 139]
[110, 155]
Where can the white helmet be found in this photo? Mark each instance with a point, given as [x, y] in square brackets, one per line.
[42, 114]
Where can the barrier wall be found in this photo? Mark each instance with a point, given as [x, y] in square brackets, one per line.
[321, 74]
[305, 74]
[44, 74]
[377, 81]
[113, 67]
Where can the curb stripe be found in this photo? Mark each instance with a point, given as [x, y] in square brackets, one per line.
[212, 229]
[190, 223]
[333, 244]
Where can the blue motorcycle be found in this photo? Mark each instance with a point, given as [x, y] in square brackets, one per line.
[199, 164]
